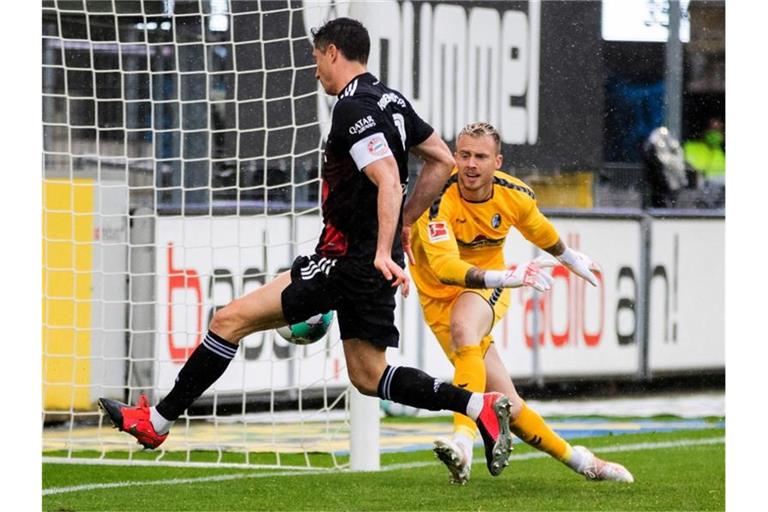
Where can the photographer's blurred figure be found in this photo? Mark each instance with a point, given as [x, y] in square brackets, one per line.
[665, 169]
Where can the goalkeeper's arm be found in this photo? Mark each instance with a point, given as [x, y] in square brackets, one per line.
[575, 261]
[537, 229]
[458, 272]
[530, 274]
[438, 163]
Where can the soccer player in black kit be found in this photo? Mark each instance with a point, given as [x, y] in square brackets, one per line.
[358, 262]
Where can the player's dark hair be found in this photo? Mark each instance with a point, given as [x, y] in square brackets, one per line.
[346, 34]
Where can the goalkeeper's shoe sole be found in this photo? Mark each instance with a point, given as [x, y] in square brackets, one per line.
[493, 424]
[133, 420]
[455, 460]
[599, 469]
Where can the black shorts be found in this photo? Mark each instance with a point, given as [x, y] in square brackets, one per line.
[363, 300]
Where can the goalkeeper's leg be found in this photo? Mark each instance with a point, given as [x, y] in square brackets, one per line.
[526, 424]
[478, 367]
[371, 375]
[458, 326]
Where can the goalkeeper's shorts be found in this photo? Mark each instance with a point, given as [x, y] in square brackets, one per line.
[363, 300]
[437, 314]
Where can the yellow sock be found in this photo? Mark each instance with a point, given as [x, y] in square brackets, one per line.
[530, 427]
[469, 374]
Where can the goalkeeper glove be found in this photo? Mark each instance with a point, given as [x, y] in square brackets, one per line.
[526, 274]
[580, 264]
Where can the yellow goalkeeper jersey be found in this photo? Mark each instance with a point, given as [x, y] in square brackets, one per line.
[455, 234]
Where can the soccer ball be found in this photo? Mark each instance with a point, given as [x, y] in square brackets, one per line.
[309, 331]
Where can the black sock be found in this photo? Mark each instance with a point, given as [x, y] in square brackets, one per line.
[413, 387]
[206, 364]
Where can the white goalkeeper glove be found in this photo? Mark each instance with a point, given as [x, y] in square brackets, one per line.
[529, 273]
[580, 264]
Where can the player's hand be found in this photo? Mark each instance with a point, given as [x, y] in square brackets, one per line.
[393, 272]
[525, 274]
[530, 274]
[405, 240]
[580, 264]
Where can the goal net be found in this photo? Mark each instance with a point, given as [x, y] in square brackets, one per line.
[181, 154]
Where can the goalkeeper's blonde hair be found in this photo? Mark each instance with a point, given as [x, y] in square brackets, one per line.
[478, 129]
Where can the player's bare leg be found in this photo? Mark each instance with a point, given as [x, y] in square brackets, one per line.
[257, 311]
[526, 424]
[365, 365]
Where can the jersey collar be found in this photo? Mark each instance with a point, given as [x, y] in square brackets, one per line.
[349, 89]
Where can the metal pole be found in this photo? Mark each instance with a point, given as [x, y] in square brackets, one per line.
[537, 376]
[642, 312]
[363, 432]
[141, 334]
[673, 92]
[535, 330]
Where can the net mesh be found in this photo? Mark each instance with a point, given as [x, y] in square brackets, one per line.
[181, 148]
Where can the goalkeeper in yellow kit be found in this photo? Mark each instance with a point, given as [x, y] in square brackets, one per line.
[457, 264]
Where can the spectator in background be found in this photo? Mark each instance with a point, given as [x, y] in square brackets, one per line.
[707, 154]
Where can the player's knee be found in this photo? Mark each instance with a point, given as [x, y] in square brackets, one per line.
[365, 382]
[365, 379]
[226, 322]
[463, 336]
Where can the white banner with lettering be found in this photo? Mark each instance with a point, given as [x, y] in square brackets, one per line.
[204, 263]
[687, 295]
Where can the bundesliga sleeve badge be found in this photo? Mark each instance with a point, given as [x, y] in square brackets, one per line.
[438, 231]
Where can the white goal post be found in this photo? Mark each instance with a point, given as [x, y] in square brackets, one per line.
[181, 151]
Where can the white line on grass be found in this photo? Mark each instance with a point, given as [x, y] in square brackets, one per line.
[606, 449]
[391, 467]
[174, 464]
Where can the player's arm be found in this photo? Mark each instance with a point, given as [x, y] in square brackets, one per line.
[372, 155]
[438, 163]
[575, 261]
[385, 175]
[444, 259]
[537, 229]
[440, 247]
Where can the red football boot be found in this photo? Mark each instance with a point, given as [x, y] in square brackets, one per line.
[493, 424]
[134, 420]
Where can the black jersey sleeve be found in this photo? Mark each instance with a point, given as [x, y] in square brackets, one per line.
[354, 120]
[362, 130]
[419, 130]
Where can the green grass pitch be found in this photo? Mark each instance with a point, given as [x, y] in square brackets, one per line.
[682, 470]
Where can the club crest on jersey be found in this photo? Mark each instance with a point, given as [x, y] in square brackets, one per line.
[377, 146]
[496, 220]
[438, 231]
